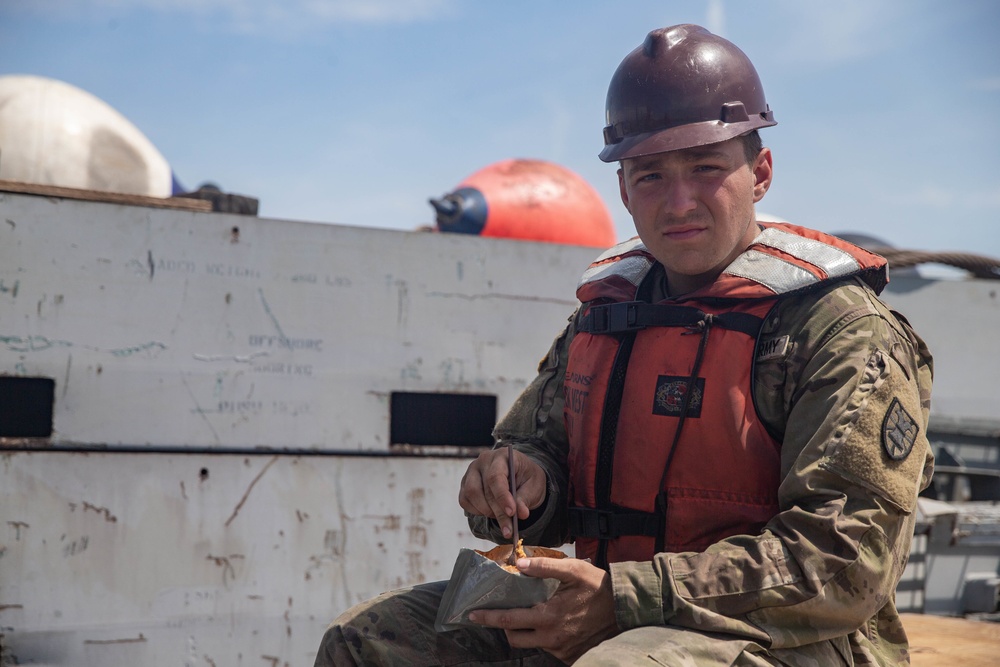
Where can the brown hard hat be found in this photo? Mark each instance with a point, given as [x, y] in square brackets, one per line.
[682, 87]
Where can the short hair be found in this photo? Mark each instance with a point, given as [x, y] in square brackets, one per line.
[752, 146]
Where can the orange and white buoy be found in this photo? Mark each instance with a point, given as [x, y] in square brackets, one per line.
[532, 200]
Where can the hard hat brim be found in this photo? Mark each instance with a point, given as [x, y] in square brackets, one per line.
[681, 137]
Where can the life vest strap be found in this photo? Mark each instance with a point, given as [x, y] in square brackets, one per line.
[626, 316]
[609, 525]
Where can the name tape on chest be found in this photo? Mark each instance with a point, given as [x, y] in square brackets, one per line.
[773, 348]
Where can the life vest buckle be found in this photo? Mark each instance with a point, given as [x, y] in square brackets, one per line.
[593, 523]
[609, 318]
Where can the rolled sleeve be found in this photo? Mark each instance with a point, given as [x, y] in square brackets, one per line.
[638, 590]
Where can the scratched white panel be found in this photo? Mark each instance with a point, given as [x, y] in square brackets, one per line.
[171, 328]
[155, 559]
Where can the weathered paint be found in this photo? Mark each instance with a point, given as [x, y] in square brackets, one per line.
[151, 558]
[185, 341]
[248, 332]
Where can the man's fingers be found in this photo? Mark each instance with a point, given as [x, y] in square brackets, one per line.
[525, 628]
[470, 496]
[493, 497]
[566, 570]
[579, 615]
[505, 619]
[496, 485]
[523, 511]
[484, 485]
[485, 488]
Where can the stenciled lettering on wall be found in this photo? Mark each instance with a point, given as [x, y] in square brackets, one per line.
[268, 341]
[184, 266]
[240, 407]
[154, 265]
[328, 280]
[291, 408]
[338, 281]
[229, 271]
[281, 368]
[276, 407]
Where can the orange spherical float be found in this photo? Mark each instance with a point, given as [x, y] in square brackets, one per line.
[532, 200]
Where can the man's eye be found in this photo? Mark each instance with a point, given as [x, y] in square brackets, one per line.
[706, 168]
[647, 177]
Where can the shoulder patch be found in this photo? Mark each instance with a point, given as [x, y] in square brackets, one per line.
[773, 348]
[899, 431]
[876, 441]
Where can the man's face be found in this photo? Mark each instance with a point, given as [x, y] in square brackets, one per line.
[694, 208]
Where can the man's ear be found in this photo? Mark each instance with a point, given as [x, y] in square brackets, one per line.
[763, 173]
[621, 188]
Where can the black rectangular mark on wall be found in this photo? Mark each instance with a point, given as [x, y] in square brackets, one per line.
[26, 407]
[439, 419]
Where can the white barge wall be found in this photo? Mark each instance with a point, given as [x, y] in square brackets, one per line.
[195, 330]
[220, 479]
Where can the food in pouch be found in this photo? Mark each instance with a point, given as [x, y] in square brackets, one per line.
[485, 580]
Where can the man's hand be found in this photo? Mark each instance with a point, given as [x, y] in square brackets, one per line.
[485, 488]
[579, 616]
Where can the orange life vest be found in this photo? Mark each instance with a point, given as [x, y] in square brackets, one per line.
[667, 452]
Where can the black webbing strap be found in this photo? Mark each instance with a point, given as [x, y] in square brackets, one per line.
[609, 434]
[628, 316]
[610, 524]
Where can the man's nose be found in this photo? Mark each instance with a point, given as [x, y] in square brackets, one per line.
[678, 197]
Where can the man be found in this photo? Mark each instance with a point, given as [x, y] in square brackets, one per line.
[732, 428]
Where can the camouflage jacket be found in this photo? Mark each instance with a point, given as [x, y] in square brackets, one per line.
[826, 566]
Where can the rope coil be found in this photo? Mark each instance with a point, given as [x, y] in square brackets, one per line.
[979, 266]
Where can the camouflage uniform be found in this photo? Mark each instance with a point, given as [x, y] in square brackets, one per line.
[815, 587]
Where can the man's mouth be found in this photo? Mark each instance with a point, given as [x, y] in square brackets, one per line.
[682, 233]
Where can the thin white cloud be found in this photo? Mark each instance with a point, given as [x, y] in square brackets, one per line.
[933, 196]
[715, 21]
[987, 200]
[829, 33]
[948, 199]
[253, 15]
[375, 10]
[988, 85]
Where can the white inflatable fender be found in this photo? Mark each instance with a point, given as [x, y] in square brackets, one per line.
[53, 133]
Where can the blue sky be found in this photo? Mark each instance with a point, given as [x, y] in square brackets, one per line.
[357, 111]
